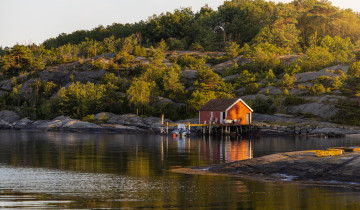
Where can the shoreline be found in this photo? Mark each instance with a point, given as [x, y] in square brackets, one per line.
[302, 167]
[263, 125]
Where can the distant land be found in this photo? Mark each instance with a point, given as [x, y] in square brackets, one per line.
[297, 60]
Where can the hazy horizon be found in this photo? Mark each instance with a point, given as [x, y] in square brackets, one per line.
[27, 22]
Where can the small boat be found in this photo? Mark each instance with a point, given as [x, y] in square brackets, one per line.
[181, 130]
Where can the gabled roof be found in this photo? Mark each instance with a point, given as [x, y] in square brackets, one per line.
[221, 104]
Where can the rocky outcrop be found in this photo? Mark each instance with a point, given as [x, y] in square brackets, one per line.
[271, 90]
[150, 123]
[231, 78]
[9, 116]
[253, 97]
[302, 166]
[324, 111]
[163, 101]
[286, 124]
[330, 72]
[219, 68]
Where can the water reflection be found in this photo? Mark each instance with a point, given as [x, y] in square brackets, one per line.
[132, 171]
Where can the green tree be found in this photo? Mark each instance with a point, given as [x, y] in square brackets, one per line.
[199, 98]
[139, 92]
[232, 49]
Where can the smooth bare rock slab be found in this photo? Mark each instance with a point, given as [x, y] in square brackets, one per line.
[76, 124]
[140, 59]
[23, 123]
[105, 56]
[57, 74]
[163, 101]
[329, 131]
[231, 77]
[91, 74]
[219, 68]
[50, 124]
[330, 72]
[289, 59]
[302, 165]
[331, 98]
[322, 110]
[286, 119]
[240, 91]
[26, 86]
[253, 97]
[9, 116]
[297, 91]
[271, 90]
[122, 127]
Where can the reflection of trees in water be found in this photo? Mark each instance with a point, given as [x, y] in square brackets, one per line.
[145, 160]
[141, 155]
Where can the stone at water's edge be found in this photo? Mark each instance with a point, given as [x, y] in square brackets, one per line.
[304, 165]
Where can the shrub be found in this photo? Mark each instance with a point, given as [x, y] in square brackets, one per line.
[98, 64]
[317, 89]
[309, 115]
[139, 51]
[337, 83]
[89, 118]
[251, 88]
[325, 81]
[293, 100]
[175, 44]
[196, 46]
[354, 69]
[287, 81]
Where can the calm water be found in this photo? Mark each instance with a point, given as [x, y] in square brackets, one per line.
[74, 170]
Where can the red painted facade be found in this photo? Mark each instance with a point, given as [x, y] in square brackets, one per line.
[239, 112]
[205, 117]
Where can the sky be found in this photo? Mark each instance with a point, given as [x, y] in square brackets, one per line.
[33, 21]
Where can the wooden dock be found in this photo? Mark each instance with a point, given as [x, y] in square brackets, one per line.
[206, 129]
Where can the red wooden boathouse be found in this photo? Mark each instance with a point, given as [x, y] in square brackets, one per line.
[225, 111]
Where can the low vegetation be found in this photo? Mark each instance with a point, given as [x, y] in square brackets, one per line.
[142, 64]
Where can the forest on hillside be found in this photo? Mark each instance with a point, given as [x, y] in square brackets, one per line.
[321, 34]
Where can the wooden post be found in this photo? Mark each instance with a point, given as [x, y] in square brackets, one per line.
[137, 111]
[204, 129]
[162, 125]
[167, 127]
[210, 128]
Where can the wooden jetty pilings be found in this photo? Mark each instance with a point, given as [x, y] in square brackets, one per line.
[209, 129]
